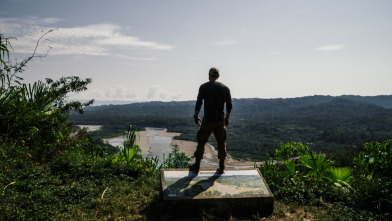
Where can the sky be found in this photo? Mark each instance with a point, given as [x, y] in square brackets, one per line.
[147, 50]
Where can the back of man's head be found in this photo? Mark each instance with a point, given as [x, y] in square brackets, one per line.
[214, 72]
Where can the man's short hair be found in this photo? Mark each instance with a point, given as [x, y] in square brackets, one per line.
[214, 72]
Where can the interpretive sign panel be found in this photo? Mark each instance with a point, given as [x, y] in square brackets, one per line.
[234, 189]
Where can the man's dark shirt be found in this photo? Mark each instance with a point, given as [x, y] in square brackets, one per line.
[215, 95]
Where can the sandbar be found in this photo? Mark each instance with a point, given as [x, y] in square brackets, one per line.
[188, 147]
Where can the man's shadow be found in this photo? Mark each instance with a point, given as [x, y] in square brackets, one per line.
[175, 190]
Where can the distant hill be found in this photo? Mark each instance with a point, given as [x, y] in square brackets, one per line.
[382, 100]
[324, 123]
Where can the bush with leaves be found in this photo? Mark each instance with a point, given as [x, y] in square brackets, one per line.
[375, 159]
[34, 116]
[176, 159]
[300, 174]
[372, 178]
[93, 147]
[129, 154]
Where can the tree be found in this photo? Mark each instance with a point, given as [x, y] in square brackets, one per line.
[35, 116]
[10, 71]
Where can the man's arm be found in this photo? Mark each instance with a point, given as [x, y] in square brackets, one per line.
[196, 118]
[199, 103]
[227, 118]
[229, 107]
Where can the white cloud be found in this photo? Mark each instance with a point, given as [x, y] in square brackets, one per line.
[152, 93]
[96, 39]
[126, 93]
[121, 40]
[225, 42]
[136, 58]
[120, 92]
[50, 20]
[117, 92]
[330, 47]
[156, 93]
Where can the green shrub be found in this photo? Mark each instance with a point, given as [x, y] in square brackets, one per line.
[355, 193]
[372, 178]
[176, 159]
[375, 159]
[290, 150]
[32, 117]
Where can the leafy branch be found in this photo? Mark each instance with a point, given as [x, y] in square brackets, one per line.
[9, 74]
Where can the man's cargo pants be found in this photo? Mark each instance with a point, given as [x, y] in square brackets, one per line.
[204, 133]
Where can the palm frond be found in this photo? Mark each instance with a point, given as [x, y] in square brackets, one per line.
[341, 175]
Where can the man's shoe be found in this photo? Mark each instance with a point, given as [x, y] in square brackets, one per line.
[221, 166]
[196, 166]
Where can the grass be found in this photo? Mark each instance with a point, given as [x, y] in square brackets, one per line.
[80, 186]
[77, 187]
[103, 192]
[122, 200]
[106, 194]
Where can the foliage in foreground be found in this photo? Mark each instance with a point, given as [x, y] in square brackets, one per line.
[76, 186]
[83, 183]
[35, 116]
[360, 192]
[51, 172]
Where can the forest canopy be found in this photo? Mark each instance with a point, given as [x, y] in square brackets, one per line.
[257, 126]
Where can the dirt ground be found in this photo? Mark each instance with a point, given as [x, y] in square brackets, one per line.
[210, 154]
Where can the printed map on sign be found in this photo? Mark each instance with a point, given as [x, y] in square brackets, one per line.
[209, 184]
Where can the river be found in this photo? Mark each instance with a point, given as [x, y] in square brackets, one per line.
[158, 142]
[159, 145]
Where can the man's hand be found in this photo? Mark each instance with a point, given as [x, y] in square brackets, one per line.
[227, 121]
[197, 120]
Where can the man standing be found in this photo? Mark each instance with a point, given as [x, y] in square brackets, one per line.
[215, 95]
